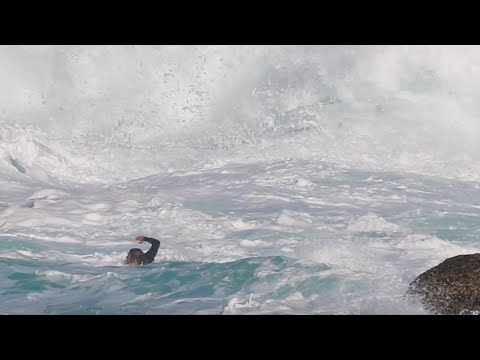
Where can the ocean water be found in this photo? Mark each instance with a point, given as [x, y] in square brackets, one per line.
[279, 179]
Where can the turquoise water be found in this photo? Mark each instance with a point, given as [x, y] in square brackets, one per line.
[44, 286]
[349, 244]
[279, 179]
[451, 227]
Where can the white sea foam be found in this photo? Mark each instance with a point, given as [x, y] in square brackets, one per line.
[279, 179]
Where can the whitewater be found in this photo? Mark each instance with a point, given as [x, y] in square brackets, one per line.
[279, 179]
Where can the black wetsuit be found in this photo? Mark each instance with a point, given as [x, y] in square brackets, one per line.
[150, 254]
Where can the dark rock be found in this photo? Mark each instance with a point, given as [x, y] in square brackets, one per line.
[452, 287]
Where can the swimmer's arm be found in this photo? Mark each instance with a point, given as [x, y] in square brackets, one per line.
[152, 252]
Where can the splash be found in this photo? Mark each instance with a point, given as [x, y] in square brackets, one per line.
[113, 113]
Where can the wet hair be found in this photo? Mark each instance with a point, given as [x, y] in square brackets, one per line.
[135, 257]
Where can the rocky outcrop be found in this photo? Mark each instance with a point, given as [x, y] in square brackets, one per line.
[452, 287]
